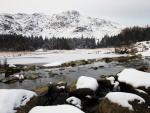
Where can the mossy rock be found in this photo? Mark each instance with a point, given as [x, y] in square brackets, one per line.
[12, 70]
[29, 105]
[73, 86]
[30, 68]
[51, 74]
[128, 58]
[77, 63]
[108, 60]
[41, 90]
[33, 77]
[62, 83]
[105, 106]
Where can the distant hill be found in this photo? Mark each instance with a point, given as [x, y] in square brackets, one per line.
[67, 24]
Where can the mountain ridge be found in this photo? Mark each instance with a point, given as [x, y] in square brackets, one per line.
[67, 24]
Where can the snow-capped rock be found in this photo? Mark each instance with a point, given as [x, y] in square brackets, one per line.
[10, 99]
[135, 78]
[87, 82]
[74, 101]
[123, 99]
[66, 24]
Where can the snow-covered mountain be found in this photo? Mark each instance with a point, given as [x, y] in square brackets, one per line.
[66, 24]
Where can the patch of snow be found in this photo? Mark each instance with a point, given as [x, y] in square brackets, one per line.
[56, 109]
[19, 76]
[141, 91]
[39, 50]
[123, 99]
[14, 98]
[12, 65]
[111, 79]
[53, 64]
[145, 53]
[74, 101]
[88, 96]
[113, 82]
[143, 48]
[135, 78]
[87, 82]
[60, 87]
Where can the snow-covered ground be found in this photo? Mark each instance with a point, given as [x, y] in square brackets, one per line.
[56, 109]
[57, 57]
[87, 82]
[10, 99]
[143, 48]
[135, 78]
[123, 99]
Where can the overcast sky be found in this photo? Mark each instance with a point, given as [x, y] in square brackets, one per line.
[126, 12]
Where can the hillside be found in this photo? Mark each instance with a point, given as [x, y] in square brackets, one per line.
[66, 24]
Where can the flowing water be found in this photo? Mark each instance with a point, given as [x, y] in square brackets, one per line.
[70, 74]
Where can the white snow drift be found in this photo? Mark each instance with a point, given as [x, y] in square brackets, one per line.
[123, 99]
[14, 98]
[135, 78]
[87, 82]
[56, 109]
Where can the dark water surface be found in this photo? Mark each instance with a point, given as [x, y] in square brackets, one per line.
[72, 73]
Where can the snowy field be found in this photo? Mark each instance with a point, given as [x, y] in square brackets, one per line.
[57, 57]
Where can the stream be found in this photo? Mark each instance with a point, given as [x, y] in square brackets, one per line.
[70, 74]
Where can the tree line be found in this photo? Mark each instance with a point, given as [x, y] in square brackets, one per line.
[127, 36]
[13, 42]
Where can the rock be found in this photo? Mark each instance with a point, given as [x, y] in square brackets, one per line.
[54, 96]
[10, 80]
[72, 87]
[126, 50]
[90, 105]
[61, 85]
[143, 68]
[29, 105]
[87, 82]
[33, 77]
[108, 60]
[107, 106]
[82, 93]
[77, 63]
[127, 58]
[131, 78]
[74, 101]
[94, 68]
[124, 87]
[105, 86]
[41, 90]
[120, 102]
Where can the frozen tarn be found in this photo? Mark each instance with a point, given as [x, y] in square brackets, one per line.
[123, 99]
[56, 58]
[14, 98]
[56, 109]
[135, 78]
[87, 82]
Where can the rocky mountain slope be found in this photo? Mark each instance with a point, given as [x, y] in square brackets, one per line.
[66, 24]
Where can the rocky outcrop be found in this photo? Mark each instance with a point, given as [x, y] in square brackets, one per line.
[106, 106]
